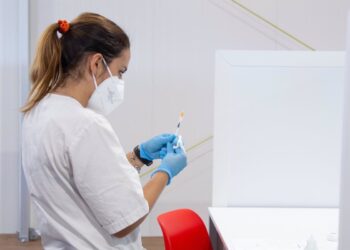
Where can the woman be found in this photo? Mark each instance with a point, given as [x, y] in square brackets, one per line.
[85, 189]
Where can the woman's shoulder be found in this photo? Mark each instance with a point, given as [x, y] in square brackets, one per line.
[69, 111]
[63, 115]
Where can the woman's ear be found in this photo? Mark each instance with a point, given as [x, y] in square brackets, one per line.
[96, 64]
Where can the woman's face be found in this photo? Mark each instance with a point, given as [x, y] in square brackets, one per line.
[119, 65]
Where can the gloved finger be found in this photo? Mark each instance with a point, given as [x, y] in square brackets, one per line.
[179, 150]
[170, 148]
[165, 138]
[162, 153]
[167, 135]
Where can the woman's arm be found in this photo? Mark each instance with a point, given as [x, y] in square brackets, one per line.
[173, 163]
[151, 191]
[134, 160]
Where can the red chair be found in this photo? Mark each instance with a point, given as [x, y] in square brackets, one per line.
[183, 229]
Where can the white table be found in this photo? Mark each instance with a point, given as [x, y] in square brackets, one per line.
[273, 228]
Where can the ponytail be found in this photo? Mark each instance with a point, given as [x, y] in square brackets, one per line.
[46, 69]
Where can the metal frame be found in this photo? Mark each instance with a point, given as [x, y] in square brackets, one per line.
[23, 233]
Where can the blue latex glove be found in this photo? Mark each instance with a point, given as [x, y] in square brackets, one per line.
[173, 163]
[164, 150]
[150, 150]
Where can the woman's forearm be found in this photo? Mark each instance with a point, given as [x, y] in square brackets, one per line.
[134, 161]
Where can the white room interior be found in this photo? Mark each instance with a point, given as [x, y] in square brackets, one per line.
[173, 46]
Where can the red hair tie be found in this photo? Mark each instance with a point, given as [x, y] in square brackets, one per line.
[63, 26]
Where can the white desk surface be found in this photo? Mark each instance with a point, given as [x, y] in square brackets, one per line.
[275, 228]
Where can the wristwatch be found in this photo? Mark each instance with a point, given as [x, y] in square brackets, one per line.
[144, 161]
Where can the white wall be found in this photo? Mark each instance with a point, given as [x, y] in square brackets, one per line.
[173, 50]
[9, 115]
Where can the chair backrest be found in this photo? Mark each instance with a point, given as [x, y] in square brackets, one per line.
[183, 229]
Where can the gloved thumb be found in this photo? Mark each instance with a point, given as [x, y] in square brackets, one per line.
[170, 148]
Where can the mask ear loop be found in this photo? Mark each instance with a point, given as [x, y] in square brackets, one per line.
[105, 63]
[94, 80]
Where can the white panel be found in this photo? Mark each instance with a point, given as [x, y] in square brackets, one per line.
[283, 128]
[2, 77]
[221, 178]
[344, 227]
[9, 90]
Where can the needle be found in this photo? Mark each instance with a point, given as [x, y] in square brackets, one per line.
[181, 117]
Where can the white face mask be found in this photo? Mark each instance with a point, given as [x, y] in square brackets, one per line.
[108, 95]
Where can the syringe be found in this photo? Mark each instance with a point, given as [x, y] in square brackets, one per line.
[181, 117]
[179, 140]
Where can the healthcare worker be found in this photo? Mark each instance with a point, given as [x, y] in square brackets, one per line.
[85, 190]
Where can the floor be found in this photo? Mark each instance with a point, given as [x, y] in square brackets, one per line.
[10, 242]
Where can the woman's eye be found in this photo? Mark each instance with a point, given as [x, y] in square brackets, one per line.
[122, 72]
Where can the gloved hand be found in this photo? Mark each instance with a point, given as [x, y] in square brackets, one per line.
[150, 150]
[163, 153]
[176, 143]
[173, 163]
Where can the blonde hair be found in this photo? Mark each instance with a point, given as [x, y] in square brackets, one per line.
[57, 56]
